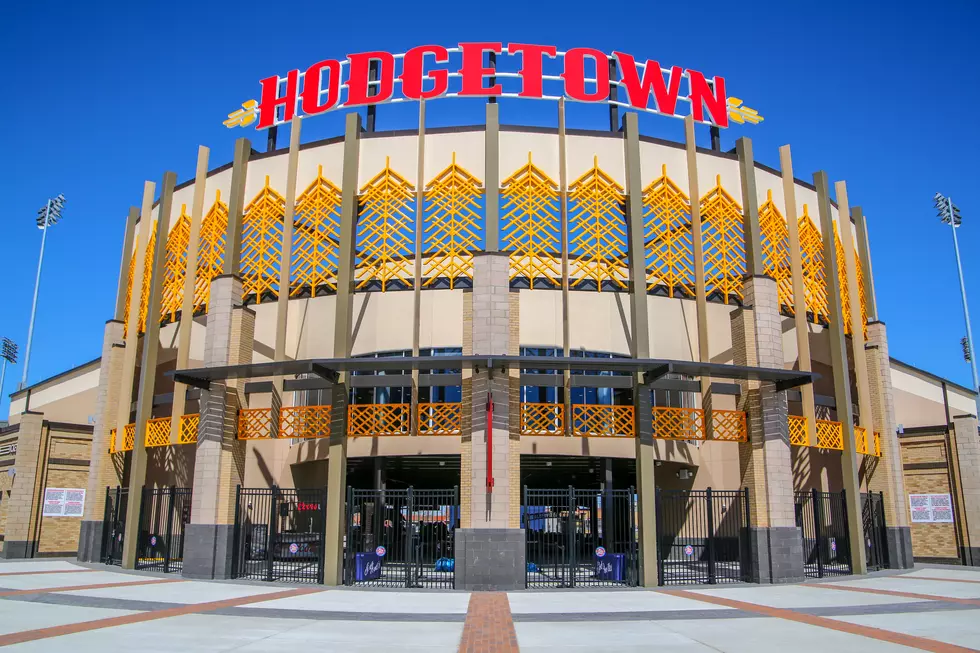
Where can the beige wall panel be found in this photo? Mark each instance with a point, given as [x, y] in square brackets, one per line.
[402, 151]
[330, 156]
[960, 403]
[710, 166]
[652, 159]
[387, 321]
[469, 148]
[217, 182]
[313, 320]
[540, 318]
[913, 410]
[718, 467]
[910, 382]
[182, 196]
[580, 152]
[258, 168]
[599, 321]
[558, 446]
[673, 328]
[441, 319]
[264, 346]
[514, 147]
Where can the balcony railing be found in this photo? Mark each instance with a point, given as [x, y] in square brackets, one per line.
[678, 423]
[861, 440]
[595, 420]
[728, 425]
[187, 433]
[254, 423]
[797, 431]
[542, 419]
[829, 435]
[157, 432]
[305, 422]
[369, 420]
[440, 419]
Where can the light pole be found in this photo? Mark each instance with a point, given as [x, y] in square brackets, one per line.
[47, 216]
[950, 214]
[8, 354]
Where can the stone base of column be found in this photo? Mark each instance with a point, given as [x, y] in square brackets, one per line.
[898, 545]
[490, 559]
[208, 551]
[970, 555]
[16, 549]
[775, 555]
[90, 541]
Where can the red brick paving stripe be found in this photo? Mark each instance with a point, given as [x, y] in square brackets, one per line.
[97, 586]
[945, 580]
[906, 595]
[51, 571]
[489, 627]
[110, 622]
[879, 634]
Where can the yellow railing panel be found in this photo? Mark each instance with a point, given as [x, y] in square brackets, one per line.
[595, 420]
[157, 432]
[129, 437]
[368, 420]
[304, 422]
[877, 444]
[797, 431]
[728, 425]
[830, 435]
[861, 440]
[542, 419]
[112, 441]
[187, 431]
[440, 418]
[678, 423]
[254, 423]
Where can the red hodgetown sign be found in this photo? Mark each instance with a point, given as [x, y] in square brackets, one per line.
[433, 71]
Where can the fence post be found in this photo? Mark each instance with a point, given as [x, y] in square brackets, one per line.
[350, 555]
[711, 537]
[322, 529]
[237, 537]
[168, 543]
[631, 520]
[410, 538]
[743, 545]
[817, 498]
[658, 502]
[843, 507]
[270, 532]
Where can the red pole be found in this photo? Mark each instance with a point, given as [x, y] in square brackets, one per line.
[489, 441]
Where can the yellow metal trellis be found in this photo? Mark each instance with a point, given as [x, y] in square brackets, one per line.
[775, 251]
[174, 265]
[597, 246]
[211, 250]
[451, 227]
[147, 273]
[667, 237]
[814, 276]
[845, 300]
[316, 233]
[386, 231]
[262, 243]
[530, 225]
[724, 243]
[129, 293]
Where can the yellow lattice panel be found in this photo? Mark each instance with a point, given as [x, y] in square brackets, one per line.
[386, 232]
[129, 437]
[254, 423]
[724, 244]
[862, 298]
[211, 251]
[814, 276]
[440, 419]
[678, 423]
[305, 422]
[597, 247]
[667, 237]
[129, 293]
[316, 232]
[175, 266]
[845, 300]
[775, 251]
[861, 440]
[368, 420]
[877, 444]
[451, 228]
[187, 430]
[595, 420]
[147, 273]
[830, 435]
[531, 226]
[112, 441]
[157, 432]
[262, 243]
[728, 425]
[797, 431]
[542, 419]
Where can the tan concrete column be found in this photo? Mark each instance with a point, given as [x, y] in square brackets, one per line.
[417, 281]
[24, 502]
[565, 281]
[491, 177]
[337, 461]
[967, 442]
[842, 384]
[640, 326]
[697, 249]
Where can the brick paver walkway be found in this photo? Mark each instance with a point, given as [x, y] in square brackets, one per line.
[489, 625]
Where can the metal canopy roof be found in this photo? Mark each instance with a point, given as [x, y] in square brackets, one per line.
[651, 368]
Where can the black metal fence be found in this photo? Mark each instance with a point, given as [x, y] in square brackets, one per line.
[822, 518]
[700, 536]
[163, 513]
[279, 534]
[114, 524]
[873, 513]
[401, 538]
[578, 538]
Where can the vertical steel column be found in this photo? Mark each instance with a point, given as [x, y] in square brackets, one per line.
[563, 216]
[697, 245]
[491, 176]
[417, 284]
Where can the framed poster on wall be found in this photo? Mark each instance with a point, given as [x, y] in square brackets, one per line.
[931, 508]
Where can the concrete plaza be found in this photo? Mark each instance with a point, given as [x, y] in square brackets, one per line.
[54, 605]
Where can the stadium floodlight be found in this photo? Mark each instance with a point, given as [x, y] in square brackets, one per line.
[949, 213]
[8, 354]
[48, 215]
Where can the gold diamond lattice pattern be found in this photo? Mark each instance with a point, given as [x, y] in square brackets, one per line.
[386, 232]
[254, 423]
[187, 434]
[175, 266]
[305, 422]
[724, 244]
[147, 272]
[595, 420]
[845, 298]
[316, 233]
[440, 418]
[378, 419]
[542, 419]
[667, 237]
[262, 244]
[797, 431]
[597, 248]
[211, 251]
[531, 226]
[728, 425]
[775, 251]
[678, 423]
[830, 435]
[452, 227]
[158, 432]
[814, 276]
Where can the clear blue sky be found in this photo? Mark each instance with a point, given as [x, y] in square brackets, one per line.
[99, 96]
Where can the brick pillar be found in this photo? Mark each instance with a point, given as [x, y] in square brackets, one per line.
[775, 545]
[967, 442]
[220, 457]
[490, 552]
[102, 472]
[24, 504]
[888, 476]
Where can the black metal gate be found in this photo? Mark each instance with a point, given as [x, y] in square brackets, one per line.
[580, 537]
[114, 524]
[873, 513]
[401, 538]
[279, 534]
[700, 536]
[163, 513]
[822, 518]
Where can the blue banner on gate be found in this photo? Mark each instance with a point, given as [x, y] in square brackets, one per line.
[367, 566]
